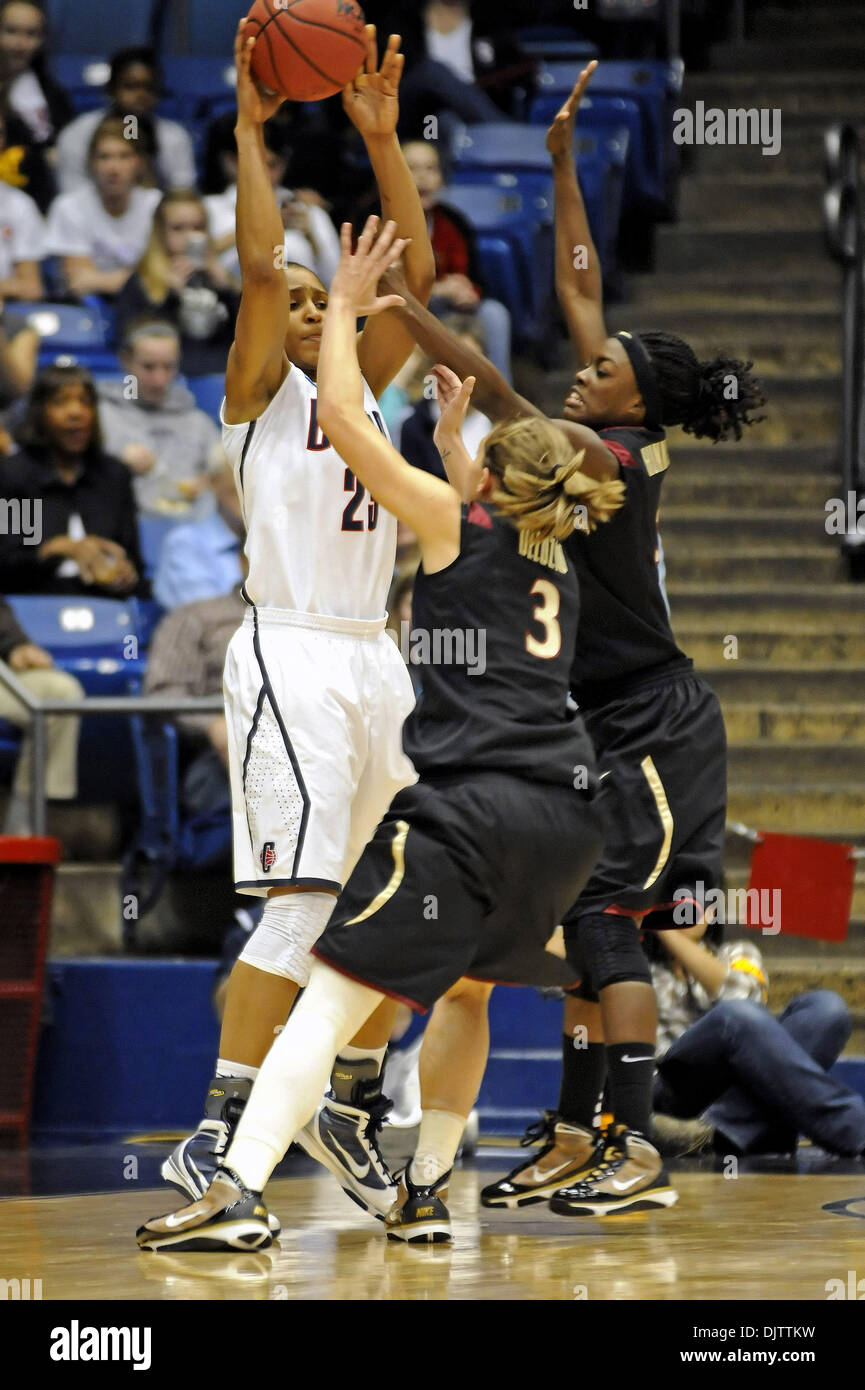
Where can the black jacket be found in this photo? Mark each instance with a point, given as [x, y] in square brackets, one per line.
[102, 496]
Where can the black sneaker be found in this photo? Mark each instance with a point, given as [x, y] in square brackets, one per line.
[568, 1150]
[343, 1136]
[228, 1217]
[419, 1215]
[195, 1162]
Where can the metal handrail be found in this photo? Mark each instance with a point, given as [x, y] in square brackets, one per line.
[842, 222]
[90, 704]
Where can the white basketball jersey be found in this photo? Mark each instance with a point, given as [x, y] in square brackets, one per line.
[316, 542]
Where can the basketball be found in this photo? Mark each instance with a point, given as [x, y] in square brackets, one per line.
[306, 49]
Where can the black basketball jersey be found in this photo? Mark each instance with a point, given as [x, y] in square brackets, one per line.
[494, 633]
[624, 636]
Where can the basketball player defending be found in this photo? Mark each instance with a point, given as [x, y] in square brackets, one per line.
[315, 691]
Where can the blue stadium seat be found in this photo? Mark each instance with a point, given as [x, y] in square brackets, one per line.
[556, 43]
[644, 179]
[196, 85]
[73, 26]
[515, 249]
[87, 636]
[76, 330]
[84, 76]
[208, 392]
[152, 531]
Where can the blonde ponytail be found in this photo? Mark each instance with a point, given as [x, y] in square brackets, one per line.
[538, 483]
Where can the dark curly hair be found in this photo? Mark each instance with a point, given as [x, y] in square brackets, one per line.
[33, 434]
[713, 400]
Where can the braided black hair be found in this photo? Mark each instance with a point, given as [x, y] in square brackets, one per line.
[713, 399]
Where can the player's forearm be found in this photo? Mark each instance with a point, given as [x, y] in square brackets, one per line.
[578, 270]
[401, 204]
[462, 471]
[492, 394]
[705, 968]
[260, 233]
[340, 385]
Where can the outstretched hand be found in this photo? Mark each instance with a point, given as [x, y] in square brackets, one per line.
[560, 136]
[371, 100]
[358, 273]
[254, 103]
[454, 397]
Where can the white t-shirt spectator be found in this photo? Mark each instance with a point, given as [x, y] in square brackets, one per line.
[22, 230]
[27, 99]
[453, 49]
[78, 225]
[221, 209]
[175, 161]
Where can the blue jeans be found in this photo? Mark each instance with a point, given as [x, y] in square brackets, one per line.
[763, 1081]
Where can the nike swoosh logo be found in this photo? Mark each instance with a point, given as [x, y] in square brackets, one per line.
[539, 1175]
[623, 1186]
[602, 775]
[353, 1167]
[636, 1059]
[179, 1218]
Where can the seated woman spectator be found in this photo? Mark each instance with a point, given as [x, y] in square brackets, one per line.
[84, 539]
[453, 242]
[310, 237]
[158, 431]
[36, 671]
[181, 279]
[100, 230]
[416, 439]
[757, 1081]
[132, 89]
[40, 102]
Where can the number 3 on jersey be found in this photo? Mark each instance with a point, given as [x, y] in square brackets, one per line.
[547, 601]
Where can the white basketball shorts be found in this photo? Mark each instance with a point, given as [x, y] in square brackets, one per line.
[315, 708]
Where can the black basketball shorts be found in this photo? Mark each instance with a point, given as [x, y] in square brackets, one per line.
[662, 763]
[466, 875]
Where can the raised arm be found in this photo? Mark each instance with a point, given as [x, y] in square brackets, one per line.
[426, 504]
[372, 104]
[579, 285]
[257, 364]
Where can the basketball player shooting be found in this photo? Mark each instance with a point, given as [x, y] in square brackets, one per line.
[315, 691]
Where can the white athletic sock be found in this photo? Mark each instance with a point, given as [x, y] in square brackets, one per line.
[363, 1054]
[437, 1144]
[295, 1071]
[237, 1070]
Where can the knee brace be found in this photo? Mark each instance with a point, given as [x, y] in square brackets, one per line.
[609, 951]
[290, 925]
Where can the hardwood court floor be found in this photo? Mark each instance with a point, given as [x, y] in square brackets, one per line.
[756, 1237]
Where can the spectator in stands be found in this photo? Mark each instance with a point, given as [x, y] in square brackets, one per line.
[181, 279]
[185, 661]
[40, 102]
[23, 164]
[78, 529]
[454, 247]
[417, 442]
[758, 1082]
[100, 229]
[133, 89]
[36, 671]
[152, 423]
[457, 68]
[310, 237]
[202, 559]
[19, 350]
[22, 242]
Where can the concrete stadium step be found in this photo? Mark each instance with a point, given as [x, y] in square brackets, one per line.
[744, 459]
[791, 54]
[844, 22]
[822, 809]
[749, 199]
[806, 646]
[836, 606]
[689, 248]
[771, 764]
[801, 151]
[802, 724]
[740, 529]
[753, 681]
[791, 342]
[779, 565]
[744, 288]
[770, 492]
[815, 93]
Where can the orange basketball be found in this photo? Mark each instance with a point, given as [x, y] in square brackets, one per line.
[306, 49]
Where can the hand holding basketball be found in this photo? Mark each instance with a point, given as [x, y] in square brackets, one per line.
[371, 100]
[252, 104]
[357, 276]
